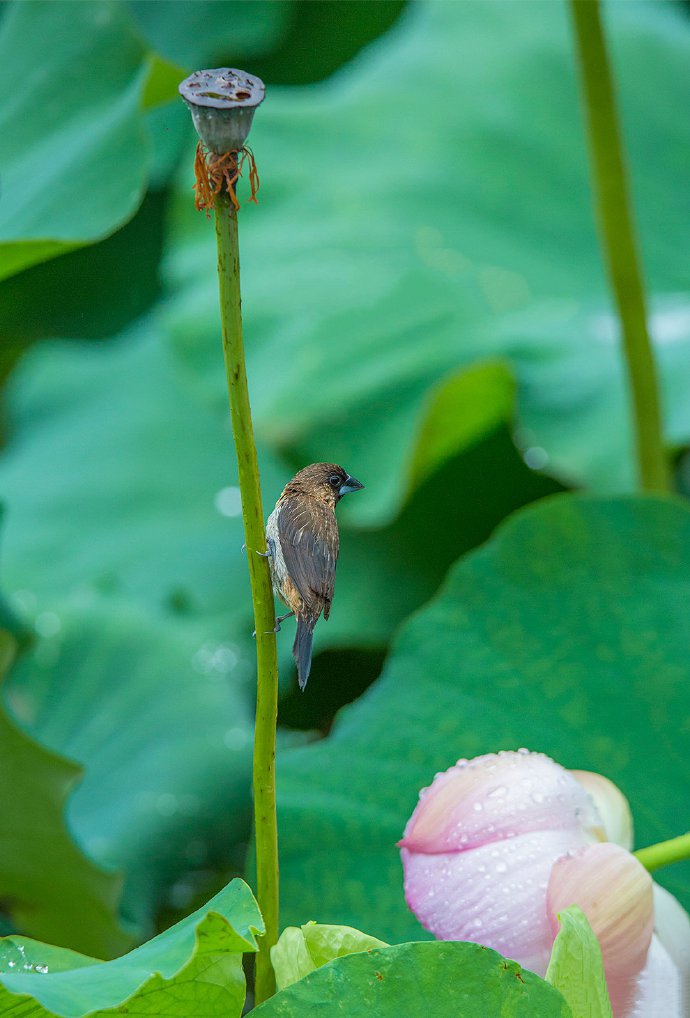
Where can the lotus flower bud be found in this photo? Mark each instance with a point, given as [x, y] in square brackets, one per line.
[498, 845]
[478, 850]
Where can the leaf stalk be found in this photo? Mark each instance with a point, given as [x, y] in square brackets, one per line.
[614, 214]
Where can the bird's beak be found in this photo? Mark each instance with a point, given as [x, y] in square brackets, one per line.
[351, 484]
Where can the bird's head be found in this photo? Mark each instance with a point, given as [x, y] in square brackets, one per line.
[326, 481]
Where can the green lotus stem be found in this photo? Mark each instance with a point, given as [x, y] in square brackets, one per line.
[265, 823]
[666, 852]
[618, 242]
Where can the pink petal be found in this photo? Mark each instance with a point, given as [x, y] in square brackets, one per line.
[615, 892]
[494, 895]
[498, 796]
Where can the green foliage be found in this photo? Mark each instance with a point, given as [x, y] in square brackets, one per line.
[421, 285]
[75, 155]
[301, 951]
[576, 968]
[193, 969]
[442, 225]
[200, 34]
[445, 979]
[141, 465]
[566, 633]
[71, 900]
[159, 716]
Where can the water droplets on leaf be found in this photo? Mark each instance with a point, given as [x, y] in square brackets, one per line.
[47, 624]
[228, 501]
[213, 657]
[237, 737]
[167, 804]
[536, 457]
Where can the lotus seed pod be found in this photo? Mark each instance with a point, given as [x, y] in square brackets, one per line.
[222, 102]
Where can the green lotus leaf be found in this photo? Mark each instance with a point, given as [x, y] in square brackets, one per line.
[434, 210]
[71, 901]
[75, 150]
[194, 968]
[450, 980]
[566, 633]
[158, 713]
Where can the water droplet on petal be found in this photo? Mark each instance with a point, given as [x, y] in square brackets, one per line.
[497, 792]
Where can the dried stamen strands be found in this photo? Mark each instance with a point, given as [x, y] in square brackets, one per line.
[213, 171]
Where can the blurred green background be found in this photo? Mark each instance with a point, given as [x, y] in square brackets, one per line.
[425, 303]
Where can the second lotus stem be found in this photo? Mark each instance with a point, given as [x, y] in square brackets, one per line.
[618, 242]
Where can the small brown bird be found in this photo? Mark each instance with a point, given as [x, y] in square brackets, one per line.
[302, 538]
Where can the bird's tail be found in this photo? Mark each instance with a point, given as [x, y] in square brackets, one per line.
[301, 648]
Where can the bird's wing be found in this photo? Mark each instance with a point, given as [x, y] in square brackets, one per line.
[309, 541]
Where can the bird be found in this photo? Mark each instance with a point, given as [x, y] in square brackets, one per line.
[303, 543]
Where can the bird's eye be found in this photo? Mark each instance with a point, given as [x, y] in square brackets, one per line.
[334, 480]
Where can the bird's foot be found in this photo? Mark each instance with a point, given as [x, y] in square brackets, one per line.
[271, 549]
[262, 554]
[281, 619]
[276, 628]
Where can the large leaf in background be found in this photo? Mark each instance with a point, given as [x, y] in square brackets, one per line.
[290, 43]
[119, 477]
[158, 713]
[119, 275]
[429, 207]
[194, 968]
[447, 980]
[198, 34]
[316, 44]
[75, 152]
[567, 633]
[71, 901]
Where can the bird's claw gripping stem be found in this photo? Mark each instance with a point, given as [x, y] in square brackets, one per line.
[281, 618]
[276, 628]
[262, 554]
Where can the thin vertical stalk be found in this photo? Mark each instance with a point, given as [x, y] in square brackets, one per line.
[266, 830]
[618, 242]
